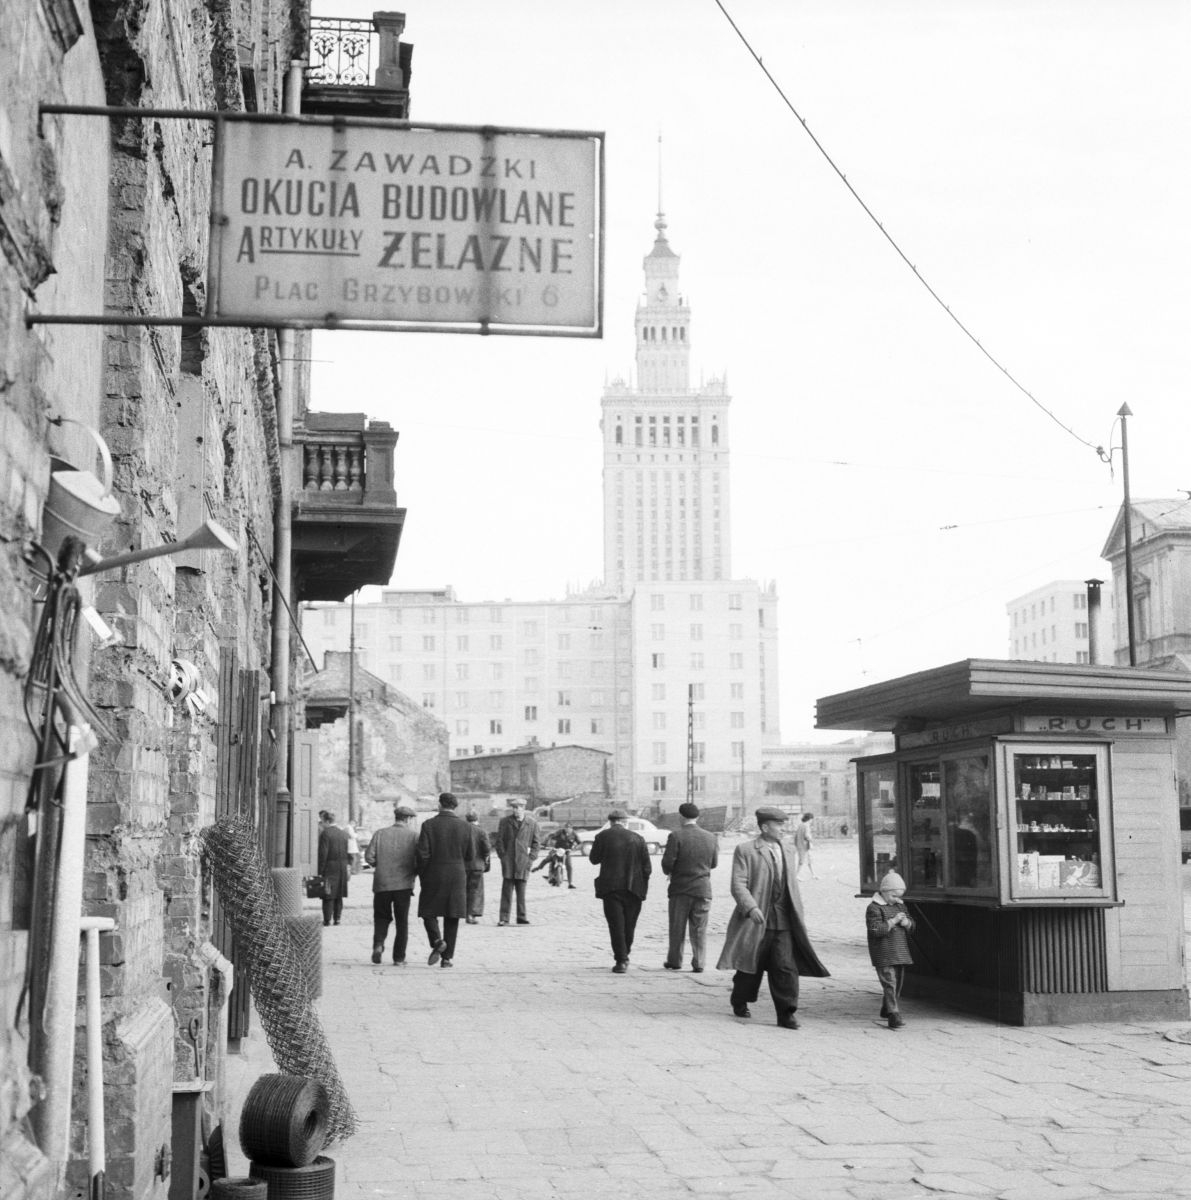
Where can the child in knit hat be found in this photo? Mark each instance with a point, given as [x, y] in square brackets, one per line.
[888, 922]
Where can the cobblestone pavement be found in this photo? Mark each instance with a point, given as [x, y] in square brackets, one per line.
[530, 1071]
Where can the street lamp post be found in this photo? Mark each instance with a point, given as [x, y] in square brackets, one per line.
[1125, 412]
[352, 815]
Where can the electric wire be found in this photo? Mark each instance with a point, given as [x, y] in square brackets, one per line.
[295, 624]
[1099, 450]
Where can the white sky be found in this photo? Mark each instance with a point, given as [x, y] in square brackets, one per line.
[1031, 159]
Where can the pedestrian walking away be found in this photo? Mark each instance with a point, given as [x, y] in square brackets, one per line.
[690, 856]
[353, 847]
[767, 931]
[622, 884]
[803, 837]
[334, 865]
[564, 840]
[392, 854]
[516, 846]
[888, 922]
[481, 861]
[444, 856]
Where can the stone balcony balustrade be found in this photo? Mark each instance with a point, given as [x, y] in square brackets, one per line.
[346, 523]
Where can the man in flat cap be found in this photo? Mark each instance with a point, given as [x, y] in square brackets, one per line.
[391, 854]
[766, 932]
[622, 884]
[690, 856]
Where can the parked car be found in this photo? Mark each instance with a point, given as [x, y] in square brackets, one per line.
[655, 838]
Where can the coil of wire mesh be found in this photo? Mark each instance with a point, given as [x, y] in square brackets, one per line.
[284, 1121]
[313, 1182]
[239, 1188]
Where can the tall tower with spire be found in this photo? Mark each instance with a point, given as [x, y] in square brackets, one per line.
[666, 495]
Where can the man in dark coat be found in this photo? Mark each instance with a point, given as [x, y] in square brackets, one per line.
[516, 846]
[622, 884]
[481, 860]
[445, 854]
[766, 932]
[690, 856]
[334, 865]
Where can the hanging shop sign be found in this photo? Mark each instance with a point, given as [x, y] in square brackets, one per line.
[334, 223]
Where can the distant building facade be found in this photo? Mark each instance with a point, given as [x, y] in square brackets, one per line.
[1160, 532]
[669, 660]
[625, 676]
[818, 777]
[1052, 623]
[666, 493]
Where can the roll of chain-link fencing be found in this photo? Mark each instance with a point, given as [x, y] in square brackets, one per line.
[276, 974]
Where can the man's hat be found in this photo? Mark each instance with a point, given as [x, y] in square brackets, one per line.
[616, 815]
[771, 814]
[688, 810]
[404, 813]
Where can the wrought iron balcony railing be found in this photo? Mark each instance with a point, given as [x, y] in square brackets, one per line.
[342, 51]
[358, 65]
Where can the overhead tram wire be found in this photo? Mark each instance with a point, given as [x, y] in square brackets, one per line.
[1099, 450]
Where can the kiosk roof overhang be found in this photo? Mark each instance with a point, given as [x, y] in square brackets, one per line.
[983, 685]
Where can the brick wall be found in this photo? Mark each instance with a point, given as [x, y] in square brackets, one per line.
[96, 215]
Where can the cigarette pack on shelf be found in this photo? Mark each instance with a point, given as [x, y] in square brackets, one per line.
[1048, 870]
[1075, 872]
[1027, 870]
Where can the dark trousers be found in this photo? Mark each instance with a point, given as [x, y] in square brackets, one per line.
[688, 914]
[475, 893]
[621, 910]
[449, 934]
[332, 910]
[386, 907]
[776, 958]
[507, 888]
[891, 988]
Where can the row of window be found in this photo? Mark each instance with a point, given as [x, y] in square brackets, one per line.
[698, 784]
[694, 632]
[435, 615]
[657, 601]
[735, 661]
[1079, 602]
[698, 720]
[698, 752]
[1022, 644]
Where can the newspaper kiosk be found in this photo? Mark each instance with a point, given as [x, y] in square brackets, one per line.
[1032, 809]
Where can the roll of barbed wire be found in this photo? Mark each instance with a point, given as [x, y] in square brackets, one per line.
[239, 1188]
[284, 1121]
[315, 1182]
[277, 977]
[288, 882]
[306, 929]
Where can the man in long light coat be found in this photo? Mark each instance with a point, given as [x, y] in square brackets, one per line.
[766, 932]
[516, 846]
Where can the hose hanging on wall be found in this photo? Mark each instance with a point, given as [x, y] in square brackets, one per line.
[274, 967]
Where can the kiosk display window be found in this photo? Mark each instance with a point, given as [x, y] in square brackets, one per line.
[878, 821]
[925, 793]
[1056, 820]
[1004, 821]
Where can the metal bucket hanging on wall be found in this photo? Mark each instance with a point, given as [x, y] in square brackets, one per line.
[79, 505]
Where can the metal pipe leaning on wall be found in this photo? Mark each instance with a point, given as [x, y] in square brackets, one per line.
[52, 1116]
